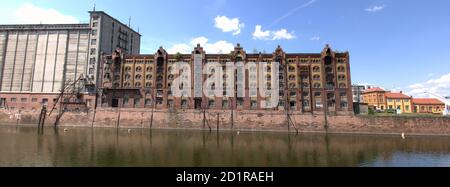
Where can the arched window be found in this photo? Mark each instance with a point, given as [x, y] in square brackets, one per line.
[291, 68]
[138, 77]
[341, 69]
[306, 103]
[268, 77]
[341, 77]
[328, 60]
[342, 85]
[127, 77]
[138, 69]
[127, 84]
[148, 77]
[316, 77]
[317, 85]
[316, 69]
[291, 85]
[148, 84]
[292, 77]
[127, 68]
[170, 77]
[149, 69]
[137, 85]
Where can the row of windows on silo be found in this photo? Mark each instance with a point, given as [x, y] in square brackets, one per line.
[34, 61]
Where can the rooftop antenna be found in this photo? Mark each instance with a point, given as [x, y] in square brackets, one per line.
[129, 22]
[93, 7]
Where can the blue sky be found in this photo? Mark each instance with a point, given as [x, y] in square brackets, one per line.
[401, 43]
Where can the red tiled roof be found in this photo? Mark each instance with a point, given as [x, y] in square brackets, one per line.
[397, 96]
[374, 90]
[427, 101]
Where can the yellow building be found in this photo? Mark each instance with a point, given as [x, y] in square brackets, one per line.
[399, 101]
[428, 105]
[375, 97]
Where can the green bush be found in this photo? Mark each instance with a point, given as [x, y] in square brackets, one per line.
[390, 111]
[371, 111]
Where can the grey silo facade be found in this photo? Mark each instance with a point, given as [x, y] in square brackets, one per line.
[39, 58]
[107, 35]
[42, 58]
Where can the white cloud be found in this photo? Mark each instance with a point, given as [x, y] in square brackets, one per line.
[229, 25]
[375, 8]
[315, 38]
[259, 34]
[200, 40]
[281, 34]
[180, 48]
[28, 13]
[219, 47]
[439, 86]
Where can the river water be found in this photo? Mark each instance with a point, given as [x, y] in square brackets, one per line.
[24, 146]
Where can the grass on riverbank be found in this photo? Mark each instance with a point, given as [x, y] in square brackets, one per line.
[413, 115]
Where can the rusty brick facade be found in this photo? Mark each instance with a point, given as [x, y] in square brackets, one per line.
[307, 81]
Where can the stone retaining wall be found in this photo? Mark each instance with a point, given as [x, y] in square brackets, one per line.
[243, 120]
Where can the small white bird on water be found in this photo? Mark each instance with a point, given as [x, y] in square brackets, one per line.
[403, 136]
[65, 129]
[129, 131]
[238, 132]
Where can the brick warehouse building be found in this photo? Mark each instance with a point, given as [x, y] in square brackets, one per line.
[307, 81]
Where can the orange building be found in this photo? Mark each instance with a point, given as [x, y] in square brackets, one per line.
[428, 105]
[375, 97]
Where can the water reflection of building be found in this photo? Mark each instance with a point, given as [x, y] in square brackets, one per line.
[307, 80]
